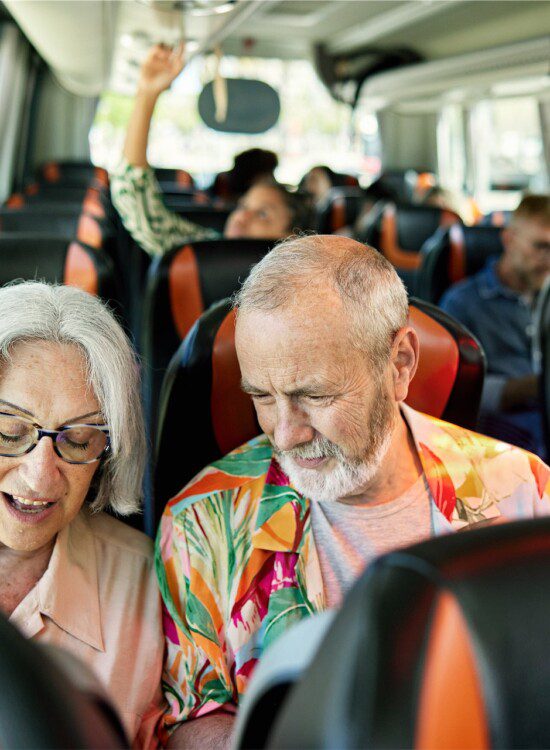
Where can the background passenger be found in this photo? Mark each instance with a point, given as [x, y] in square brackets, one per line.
[283, 526]
[318, 182]
[446, 200]
[497, 306]
[249, 167]
[71, 446]
[266, 211]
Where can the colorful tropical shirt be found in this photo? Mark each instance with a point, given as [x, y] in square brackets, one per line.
[137, 197]
[237, 563]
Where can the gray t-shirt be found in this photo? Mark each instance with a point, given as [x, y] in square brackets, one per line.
[348, 537]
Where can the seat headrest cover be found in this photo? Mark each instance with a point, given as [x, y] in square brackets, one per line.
[89, 231]
[431, 387]
[185, 290]
[457, 255]
[80, 270]
[389, 243]
[450, 661]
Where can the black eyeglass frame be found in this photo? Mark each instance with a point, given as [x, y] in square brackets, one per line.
[41, 432]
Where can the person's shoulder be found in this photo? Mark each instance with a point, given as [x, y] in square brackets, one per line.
[501, 467]
[243, 469]
[461, 293]
[118, 538]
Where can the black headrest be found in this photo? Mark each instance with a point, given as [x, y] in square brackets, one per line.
[55, 193]
[32, 257]
[453, 254]
[438, 645]
[180, 286]
[415, 224]
[542, 351]
[340, 208]
[206, 216]
[480, 244]
[45, 708]
[51, 223]
[57, 260]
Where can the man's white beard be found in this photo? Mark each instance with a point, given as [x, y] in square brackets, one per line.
[346, 479]
[350, 476]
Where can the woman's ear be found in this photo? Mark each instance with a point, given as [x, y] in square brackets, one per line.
[404, 361]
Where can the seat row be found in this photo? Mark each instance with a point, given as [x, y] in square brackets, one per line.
[161, 301]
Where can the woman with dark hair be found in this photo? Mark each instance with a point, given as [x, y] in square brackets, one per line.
[249, 167]
[319, 181]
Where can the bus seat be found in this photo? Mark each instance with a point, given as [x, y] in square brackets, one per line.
[175, 176]
[399, 232]
[202, 385]
[400, 183]
[56, 221]
[541, 340]
[59, 197]
[56, 260]
[282, 665]
[438, 645]
[340, 209]
[59, 223]
[496, 219]
[69, 706]
[72, 174]
[350, 180]
[180, 285]
[220, 187]
[452, 254]
[206, 215]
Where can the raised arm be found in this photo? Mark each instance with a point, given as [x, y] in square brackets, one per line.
[160, 67]
[135, 192]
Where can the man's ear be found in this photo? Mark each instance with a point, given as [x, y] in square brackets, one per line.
[404, 360]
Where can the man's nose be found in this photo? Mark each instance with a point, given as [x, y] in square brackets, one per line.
[40, 468]
[292, 427]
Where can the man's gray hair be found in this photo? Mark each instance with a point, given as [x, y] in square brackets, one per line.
[372, 293]
[34, 311]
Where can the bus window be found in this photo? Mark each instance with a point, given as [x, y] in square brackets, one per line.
[312, 124]
[507, 150]
[451, 155]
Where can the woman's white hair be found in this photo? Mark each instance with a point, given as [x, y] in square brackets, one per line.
[372, 293]
[34, 311]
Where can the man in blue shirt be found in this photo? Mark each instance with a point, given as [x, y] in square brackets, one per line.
[497, 306]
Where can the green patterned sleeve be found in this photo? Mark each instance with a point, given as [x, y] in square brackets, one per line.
[137, 197]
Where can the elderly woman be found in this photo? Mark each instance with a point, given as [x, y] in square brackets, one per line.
[71, 446]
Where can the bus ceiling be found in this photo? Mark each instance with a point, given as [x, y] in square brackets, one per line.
[99, 43]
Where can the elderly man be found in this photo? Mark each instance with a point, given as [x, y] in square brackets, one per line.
[281, 527]
[497, 306]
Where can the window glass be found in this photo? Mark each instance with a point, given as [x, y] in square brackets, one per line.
[507, 149]
[312, 128]
[451, 148]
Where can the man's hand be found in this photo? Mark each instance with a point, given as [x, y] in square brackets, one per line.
[161, 66]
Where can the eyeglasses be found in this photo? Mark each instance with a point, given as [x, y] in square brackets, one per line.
[76, 443]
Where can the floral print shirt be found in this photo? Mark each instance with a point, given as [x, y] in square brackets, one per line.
[237, 563]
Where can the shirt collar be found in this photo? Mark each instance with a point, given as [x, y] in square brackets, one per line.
[283, 514]
[68, 592]
[489, 284]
